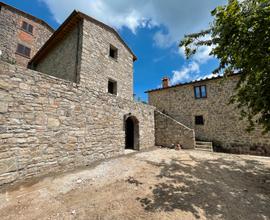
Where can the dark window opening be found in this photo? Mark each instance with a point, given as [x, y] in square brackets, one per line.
[27, 27]
[112, 87]
[200, 92]
[199, 120]
[23, 50]
[113, 52]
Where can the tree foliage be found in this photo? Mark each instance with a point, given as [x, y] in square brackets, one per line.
[240, 39]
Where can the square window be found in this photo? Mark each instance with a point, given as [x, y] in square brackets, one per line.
[112, 87]
[200, 92]
[27, 27]
[113, 52]
[23, 50]
[199, 120]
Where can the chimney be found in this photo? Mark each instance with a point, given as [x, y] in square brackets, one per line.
[165, 82]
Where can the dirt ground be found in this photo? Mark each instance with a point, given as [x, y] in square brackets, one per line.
[158, 184]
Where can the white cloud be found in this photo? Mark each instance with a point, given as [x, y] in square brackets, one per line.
[174, 17]
[188, 73]
[191, 71]
[185, 74]
[203, 53]
[178, 17]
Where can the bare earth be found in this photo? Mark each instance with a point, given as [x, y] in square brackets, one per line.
[159, 184]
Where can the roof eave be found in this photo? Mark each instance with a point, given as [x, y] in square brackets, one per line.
[190, 83]
[73, 15]
[43, 50]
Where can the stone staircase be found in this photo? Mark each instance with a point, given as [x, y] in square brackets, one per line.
[204, 146]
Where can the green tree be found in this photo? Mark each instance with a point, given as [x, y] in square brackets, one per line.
[240, 39]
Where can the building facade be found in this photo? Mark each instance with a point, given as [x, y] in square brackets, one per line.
[75, 107]
[204, 106]
[21, 35]
[86, 51]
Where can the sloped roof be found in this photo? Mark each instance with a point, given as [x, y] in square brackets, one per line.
[193, 82]
[68, 24]
[32, 17]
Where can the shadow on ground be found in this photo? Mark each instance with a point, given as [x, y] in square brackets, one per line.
[218, 188]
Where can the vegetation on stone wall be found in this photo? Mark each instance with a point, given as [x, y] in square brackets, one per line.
[240, 39]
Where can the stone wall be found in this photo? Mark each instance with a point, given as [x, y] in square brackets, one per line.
[11, 34]
[170, 132]
[62, 61]
[48, 124]
[221, 120]
[97, 67]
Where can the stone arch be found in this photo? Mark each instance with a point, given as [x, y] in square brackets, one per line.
[132, 133]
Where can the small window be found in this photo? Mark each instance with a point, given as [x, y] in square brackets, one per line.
[23, 50]
[200, 92]
[112, 87]
[199, 120]
[113, 52]
[27, 27]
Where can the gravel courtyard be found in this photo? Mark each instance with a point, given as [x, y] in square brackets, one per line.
[158, 184]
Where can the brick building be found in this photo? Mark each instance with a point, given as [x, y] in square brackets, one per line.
[21, 35]
[204, 106]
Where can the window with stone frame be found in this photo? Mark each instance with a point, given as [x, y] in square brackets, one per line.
[27, 27]
[112, 87]
[199, 120]
[200, 92]
[113, 52]
[23, 50]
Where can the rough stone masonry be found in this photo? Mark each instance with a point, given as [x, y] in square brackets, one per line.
[75, 110]
[48, 124]
[12, 34]
[221, 122]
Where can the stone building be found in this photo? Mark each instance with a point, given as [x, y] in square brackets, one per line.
[204, 106]
[75, 107]
[21, 35]
[90, 53]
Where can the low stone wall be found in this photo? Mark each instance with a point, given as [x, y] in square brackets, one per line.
[170, 132]
[48, 124]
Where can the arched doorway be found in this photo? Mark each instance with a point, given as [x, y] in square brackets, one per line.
[132, 133]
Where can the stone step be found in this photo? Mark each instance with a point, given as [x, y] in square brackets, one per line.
[204, 145]
[204, 149]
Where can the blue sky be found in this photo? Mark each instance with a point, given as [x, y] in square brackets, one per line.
[151, 28]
